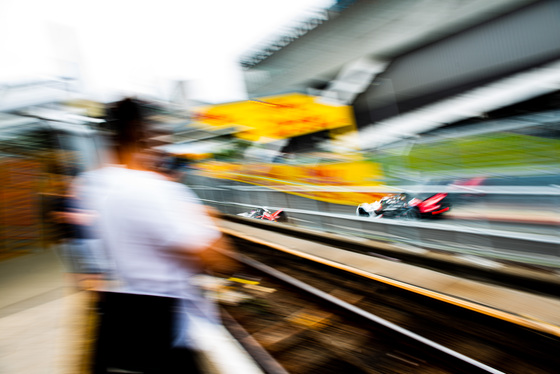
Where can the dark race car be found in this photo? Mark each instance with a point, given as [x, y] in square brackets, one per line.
[265, 214]
[406, 206]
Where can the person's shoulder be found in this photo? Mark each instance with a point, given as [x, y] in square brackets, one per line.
[177, 189]
[141, 180]
[98, 174]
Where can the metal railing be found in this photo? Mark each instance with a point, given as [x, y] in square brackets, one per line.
[535, 244]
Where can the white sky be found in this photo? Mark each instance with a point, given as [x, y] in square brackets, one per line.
[125, 46]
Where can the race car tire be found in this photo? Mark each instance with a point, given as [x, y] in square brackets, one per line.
[361, 212]
[282, 217]
[411, 214]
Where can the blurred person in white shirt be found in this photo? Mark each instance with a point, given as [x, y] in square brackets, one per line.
[156, 235]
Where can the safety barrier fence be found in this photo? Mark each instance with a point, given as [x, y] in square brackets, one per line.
[520, 242]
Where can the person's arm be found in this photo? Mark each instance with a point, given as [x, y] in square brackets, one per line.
[217, 256]
[190, 228]
[78, 211]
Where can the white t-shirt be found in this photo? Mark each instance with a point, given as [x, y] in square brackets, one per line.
[148, 226]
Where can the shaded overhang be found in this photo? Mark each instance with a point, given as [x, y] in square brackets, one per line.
[378, 30]
[473, 103]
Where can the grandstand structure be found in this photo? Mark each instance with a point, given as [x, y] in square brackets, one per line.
[412, 68]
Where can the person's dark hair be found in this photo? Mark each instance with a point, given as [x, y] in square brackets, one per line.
[128, 124]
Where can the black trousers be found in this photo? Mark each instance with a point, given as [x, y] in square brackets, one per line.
[135, 333]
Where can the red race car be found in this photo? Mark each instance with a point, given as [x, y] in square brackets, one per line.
[266, 215]
[406, 206]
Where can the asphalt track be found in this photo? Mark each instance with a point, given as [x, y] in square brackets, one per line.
[527, 212]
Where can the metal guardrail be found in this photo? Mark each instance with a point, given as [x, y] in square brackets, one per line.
[526, 248]
[542, 249]
[551, 190]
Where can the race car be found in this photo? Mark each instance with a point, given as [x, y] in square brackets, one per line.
[265, 214]
[406, 206]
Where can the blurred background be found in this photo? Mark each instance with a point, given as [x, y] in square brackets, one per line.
[298, 112]
[336, 102]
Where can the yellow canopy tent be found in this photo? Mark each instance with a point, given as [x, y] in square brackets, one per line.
[277, 117]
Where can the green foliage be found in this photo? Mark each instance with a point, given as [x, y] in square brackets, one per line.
[498, 151]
